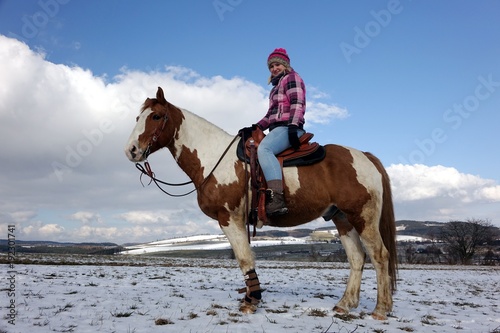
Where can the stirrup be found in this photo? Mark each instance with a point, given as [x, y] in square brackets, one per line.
[279, 212]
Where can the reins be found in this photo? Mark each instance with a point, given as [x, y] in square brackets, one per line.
[146, 170]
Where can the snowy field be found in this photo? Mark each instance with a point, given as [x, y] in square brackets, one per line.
[140, 294]
[204, 242]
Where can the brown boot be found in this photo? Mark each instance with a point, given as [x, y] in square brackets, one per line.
[275, 200]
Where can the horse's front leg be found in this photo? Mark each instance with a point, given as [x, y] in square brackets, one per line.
[235, 231]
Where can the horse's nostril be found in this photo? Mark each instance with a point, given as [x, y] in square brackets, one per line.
[132, 151]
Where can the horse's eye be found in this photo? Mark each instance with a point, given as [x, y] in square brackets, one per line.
[137, 119]
[156, 117]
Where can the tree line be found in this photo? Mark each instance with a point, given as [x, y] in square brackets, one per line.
[460, 242]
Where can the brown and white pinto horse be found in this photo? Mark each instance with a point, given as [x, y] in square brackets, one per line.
[355, 182]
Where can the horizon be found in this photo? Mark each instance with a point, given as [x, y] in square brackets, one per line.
[398, 233]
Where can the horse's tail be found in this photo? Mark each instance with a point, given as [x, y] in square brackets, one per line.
[387, 225]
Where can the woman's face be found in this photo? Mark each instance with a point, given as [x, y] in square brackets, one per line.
[276, 68]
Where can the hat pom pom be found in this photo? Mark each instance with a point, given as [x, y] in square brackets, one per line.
[280, 50]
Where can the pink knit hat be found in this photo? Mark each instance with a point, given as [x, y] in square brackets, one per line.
[280, 56]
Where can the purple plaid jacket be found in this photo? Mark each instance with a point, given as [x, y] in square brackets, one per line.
[287, 103]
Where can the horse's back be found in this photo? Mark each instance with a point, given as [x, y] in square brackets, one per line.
[350, 163]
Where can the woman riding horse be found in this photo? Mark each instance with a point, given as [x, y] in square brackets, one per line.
[285, 121]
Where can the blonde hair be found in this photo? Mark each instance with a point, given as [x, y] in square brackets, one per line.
[287, 70]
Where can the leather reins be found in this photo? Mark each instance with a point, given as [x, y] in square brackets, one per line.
[146, 170]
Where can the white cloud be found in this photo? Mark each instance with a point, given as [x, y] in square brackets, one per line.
[442, 193]
[22, 216]
[418, 182]
[50, 230]
[37, 230]
[176, 222]
[29, 231]
[315, 93]
[145, 217]
[86, 217]
[492, 192]
[321, 113]
[89, 233]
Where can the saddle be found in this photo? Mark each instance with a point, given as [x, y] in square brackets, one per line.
[307, 154]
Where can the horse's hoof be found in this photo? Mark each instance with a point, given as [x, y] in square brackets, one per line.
[248, 308]
[378, 316]
[340, 310]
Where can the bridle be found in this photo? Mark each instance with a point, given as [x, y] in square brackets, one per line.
[146, 169]
[156, 135]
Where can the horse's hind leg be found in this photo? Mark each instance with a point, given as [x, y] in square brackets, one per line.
[356, 256]
[237, 235]
[372, 240]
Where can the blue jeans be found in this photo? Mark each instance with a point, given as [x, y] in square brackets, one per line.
[274, 143]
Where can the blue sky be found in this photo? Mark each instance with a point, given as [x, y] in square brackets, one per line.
[416, 83]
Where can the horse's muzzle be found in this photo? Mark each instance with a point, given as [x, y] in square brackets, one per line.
[135, 154]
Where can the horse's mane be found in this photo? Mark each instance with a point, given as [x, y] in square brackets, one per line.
[149, 103]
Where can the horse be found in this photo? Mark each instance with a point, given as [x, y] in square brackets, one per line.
[348, 186]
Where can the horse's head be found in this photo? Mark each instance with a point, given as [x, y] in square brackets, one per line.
[154, 129]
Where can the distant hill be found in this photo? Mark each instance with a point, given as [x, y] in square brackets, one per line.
[424, 229]
[297, 233]
[62, 247]
[51, 243]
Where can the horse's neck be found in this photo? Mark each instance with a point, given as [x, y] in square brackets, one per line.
[199, 143]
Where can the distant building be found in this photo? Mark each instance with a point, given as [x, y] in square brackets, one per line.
[324, 235]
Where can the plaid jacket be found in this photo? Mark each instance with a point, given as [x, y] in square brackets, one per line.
[287, 102]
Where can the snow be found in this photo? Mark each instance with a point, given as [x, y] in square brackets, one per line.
[217, 242]
[405, 238]
[129, 293]
[203, 242]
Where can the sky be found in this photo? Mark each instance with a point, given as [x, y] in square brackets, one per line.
[415, 83]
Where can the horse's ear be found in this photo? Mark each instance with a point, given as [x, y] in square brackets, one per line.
[160, 97]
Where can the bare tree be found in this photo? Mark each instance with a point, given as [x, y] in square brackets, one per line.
[464, 238]
[411, 254]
